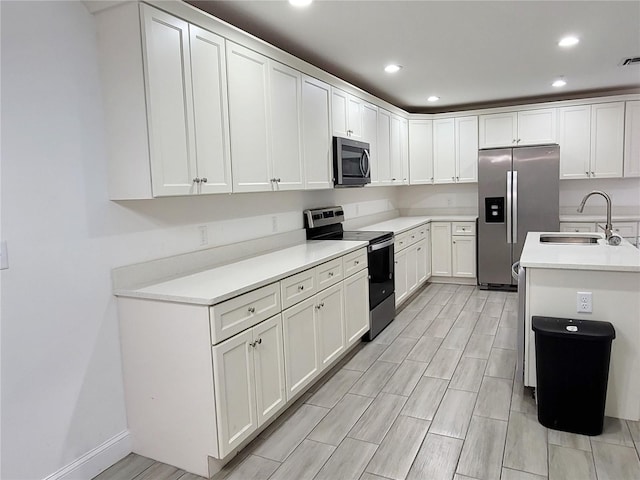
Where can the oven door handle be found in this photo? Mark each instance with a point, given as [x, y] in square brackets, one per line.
[380, 246]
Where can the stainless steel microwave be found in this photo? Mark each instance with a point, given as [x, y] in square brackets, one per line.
[351, 163]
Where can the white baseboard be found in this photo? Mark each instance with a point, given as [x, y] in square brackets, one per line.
[97, 460]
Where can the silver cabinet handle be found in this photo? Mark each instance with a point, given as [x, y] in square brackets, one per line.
[393, 179]
[196, 180]
[593, 174]
[252, 310]
[300, 288]
[587, 173]
[278, 180]
[330, 274]
[457, 178]
[259, 341]
[513, 141]
[204, 179]
[356, 262]
[419, 248]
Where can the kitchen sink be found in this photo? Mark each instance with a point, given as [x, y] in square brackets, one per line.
[570, 239]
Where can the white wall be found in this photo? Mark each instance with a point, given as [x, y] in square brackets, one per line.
[62, 393]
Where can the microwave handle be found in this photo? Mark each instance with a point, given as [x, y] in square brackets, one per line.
[365, 160]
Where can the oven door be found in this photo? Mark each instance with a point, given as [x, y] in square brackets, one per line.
[381, 272]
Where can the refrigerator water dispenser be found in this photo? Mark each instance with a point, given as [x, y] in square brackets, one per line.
[494, 209]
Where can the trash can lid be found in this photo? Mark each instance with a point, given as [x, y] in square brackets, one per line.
[585, 329]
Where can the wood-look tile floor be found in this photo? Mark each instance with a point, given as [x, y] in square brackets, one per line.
[432, 397]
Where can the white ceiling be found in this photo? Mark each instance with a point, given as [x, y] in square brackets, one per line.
[466, 52]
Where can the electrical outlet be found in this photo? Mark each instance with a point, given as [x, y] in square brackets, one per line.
[204, 235]
[584, 302]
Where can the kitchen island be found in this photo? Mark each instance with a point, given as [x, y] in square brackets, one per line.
[555, 273]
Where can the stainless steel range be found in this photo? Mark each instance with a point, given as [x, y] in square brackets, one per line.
[326, 224]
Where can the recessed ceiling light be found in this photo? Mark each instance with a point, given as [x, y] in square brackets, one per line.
[300, 3]
[392, 68]
[559, 83]
[568, 41]
[433, 98]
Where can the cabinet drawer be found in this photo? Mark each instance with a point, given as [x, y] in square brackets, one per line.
[624, 229]
[413, 236]
[401, 241]
[577, 227]
[463, 228]
[422, 232]
[354, 262]
[329, 273]
[297, 287]
[244, 311]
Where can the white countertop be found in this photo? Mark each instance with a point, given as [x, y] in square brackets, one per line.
[402, 224]
[600, 256]
[577, 218]
[227, 281]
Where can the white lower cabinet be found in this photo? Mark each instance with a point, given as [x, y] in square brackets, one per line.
[453, 249]
[301, 355]
[330, 324]
[412, 261]
[248, 371]
[356, 306]
[463, 256]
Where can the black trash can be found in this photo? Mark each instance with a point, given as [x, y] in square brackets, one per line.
[572, 369]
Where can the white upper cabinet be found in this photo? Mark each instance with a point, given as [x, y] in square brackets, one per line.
[420, 151]
[498, 130]
[383, 156]
[346, 114]
[370, 136]
[632, 139]
[285, 106]
[526, 127]
[316, 133]
[455, 150]
[211, 111]
[398, 150]
[466, 149]
[248, 74]
[574, 138]
[591, 140]
[264, 115]
[607, 139]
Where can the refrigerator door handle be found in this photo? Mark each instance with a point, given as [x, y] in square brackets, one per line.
[509, 202]
[514, 206]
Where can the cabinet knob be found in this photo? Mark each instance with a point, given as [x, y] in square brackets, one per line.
[300, 288]
[413, 236]
[457, 178]
[419, 248]
[356, 262]
[204, 179]
[196, 180]
[393, 179]
[518, 140]
[453, 178]
[330, 274]
[513, 141]
[454, 241]
[252, 310]
[593, 174]
[259, 341]
[278, 180]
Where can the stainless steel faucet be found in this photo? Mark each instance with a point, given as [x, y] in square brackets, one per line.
[612, 239]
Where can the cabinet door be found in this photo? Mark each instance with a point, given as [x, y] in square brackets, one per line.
[428, 250]
[384, 147]
[464, 256]
[339, 112]
[404, 150]
[422, 255]
[234, 380]
[574, 138]
[354, 117]
[248, 75]
[444, 151]
[395, 151]
[285, 84]
[441, 249]
[401, 285]
[301, 354]
[356, 306]
[412, 268]
[169, 103]
[370, 135]
[269, 368]
[420, 151]
[211, 110]
[632, 139]
[330, 323]
[498, 130]
[316, 133]
[607, 139]
[536, 127]
[466, 149]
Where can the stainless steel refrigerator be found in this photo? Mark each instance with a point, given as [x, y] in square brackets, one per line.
[518, 192]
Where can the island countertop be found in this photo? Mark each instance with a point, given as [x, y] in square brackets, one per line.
[600, 256]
